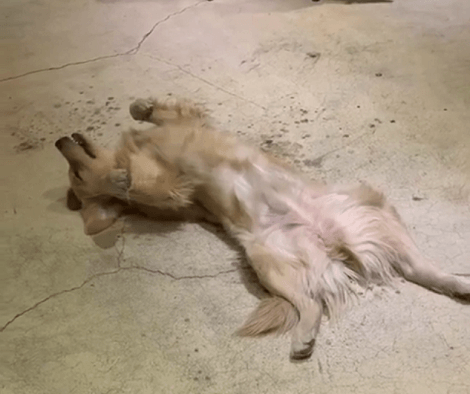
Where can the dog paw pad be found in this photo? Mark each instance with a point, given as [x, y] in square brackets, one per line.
[120, 181]
[301, 351]
[141, 109]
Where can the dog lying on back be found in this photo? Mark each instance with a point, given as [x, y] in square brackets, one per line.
[307, 242]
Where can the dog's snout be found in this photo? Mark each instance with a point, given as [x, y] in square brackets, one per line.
[74, 145]
[59, 144]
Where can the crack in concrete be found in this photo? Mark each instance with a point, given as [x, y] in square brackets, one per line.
[146, 35]
[61, 67]
[174, 277]
[86, 281]
[53, 296]
[120, 253]
[350, 142]
[206, 81]
[131, 51]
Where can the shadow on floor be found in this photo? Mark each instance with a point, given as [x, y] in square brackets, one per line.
[138, 225]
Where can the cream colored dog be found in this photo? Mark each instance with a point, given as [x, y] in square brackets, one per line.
[307, 242]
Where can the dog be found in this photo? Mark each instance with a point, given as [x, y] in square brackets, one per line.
[308, 243]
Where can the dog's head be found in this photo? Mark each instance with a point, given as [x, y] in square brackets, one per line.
[89, 165]
[89, 168]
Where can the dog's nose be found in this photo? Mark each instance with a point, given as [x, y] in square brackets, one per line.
[60, 142]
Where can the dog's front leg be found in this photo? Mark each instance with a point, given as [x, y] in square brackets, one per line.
[158, 199]
[160, 111]
[142, 110]
[160, 189]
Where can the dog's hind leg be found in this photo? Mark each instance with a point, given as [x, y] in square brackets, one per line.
[417, 269]
[306, 331]
[379, 241]
[392, 246]
[287, 279]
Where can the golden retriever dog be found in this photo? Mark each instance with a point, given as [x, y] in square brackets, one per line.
[308, 243]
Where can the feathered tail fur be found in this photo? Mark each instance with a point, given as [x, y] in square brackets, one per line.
[274, 315]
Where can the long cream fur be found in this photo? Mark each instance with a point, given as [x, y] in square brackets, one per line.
[308, 243]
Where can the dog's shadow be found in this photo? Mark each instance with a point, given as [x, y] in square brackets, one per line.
[247, 275]
[138, 225]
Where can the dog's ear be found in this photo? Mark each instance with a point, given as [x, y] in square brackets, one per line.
[98, 216]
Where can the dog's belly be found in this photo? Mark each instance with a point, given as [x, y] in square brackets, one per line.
[287, 214]
[274, 199]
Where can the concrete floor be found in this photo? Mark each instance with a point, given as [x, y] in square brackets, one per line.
[378, 92]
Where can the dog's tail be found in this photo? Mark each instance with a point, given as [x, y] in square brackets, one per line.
[274, 315]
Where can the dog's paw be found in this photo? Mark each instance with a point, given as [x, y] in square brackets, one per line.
[120, 183]
[301, 350]
[463, 297]
[141, 109]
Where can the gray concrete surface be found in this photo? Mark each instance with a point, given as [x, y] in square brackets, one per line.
[376, 91]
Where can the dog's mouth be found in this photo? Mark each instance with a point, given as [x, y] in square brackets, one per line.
[76, 140]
